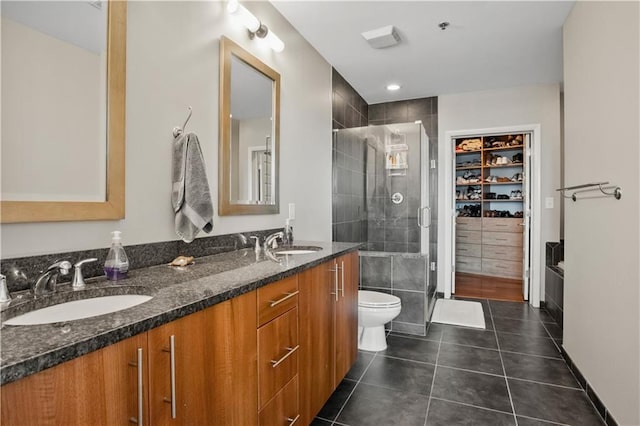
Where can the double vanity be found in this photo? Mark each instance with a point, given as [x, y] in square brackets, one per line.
[235, 339]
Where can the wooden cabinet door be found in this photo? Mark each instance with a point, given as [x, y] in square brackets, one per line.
[100, 388]
[232, 352]
[178, 372]
[206, 363]
[316, 302]
[346, 316]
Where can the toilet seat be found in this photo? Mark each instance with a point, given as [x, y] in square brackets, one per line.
[374, 299]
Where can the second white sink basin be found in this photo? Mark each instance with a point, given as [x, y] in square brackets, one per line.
[296, 251]
[79, 309]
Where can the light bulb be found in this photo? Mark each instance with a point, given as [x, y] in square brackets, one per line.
[244, 16]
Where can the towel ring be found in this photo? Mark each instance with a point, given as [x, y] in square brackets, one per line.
[177, 131]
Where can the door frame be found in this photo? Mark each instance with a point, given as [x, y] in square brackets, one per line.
[535, 267]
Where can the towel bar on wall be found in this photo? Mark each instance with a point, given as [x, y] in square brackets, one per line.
[177, 131]
[577, 189]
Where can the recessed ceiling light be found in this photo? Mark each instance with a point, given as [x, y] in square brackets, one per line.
[393, 87]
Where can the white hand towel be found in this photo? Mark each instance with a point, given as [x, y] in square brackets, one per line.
[190, 197]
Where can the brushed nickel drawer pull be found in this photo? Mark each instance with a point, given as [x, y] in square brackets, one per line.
[342, 276]
[138, 364]
[172, 361]
[501, 239]
[288, 296]
[290, 351]
[294, 420]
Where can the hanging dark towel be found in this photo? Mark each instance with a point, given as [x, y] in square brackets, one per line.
[190, 197]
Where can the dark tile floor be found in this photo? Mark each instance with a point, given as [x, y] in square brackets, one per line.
[512, 373]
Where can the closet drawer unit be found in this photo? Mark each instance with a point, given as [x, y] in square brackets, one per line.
[468, 264]
[502, 239]
[469, 237]
[502, 253]
[277, 298]
[500, 224]
[468, 223]
[473, 250]
[284, 408]
[277, 354]
[502, 268]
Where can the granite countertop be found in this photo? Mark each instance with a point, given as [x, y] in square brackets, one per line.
[176, 292]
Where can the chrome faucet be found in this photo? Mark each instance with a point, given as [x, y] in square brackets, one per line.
[48, 279]
[271, 241]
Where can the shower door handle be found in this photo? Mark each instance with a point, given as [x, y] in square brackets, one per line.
[421, 223]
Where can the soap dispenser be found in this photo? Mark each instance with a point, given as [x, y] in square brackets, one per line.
[288, 233]
[117, 264]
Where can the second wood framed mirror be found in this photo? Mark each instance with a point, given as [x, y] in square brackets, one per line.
[249, 133]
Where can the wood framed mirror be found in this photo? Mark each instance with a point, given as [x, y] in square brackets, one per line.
[63, 115]
[249, 134]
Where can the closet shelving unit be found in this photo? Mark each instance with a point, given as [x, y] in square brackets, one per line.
[489, 231]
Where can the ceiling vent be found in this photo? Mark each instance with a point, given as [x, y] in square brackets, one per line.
[382, 37]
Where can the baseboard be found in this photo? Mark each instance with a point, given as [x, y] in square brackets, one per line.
[597, 403]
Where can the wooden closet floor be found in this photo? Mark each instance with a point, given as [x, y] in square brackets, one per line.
[480, 286]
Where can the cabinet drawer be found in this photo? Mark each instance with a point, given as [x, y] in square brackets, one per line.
[502, 253]
[473, 250]
[468, 264]
[277, 298]
[468, 223]
[470, 237]
[501, 224]
[502, 268]
[283, 409]
[502, 239]
[277, 354]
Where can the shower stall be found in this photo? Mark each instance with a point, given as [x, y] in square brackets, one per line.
[382, 198]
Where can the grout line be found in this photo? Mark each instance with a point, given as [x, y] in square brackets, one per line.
[525, 335]
[497, 411]
[354, 388]
[513, 408]
[471, 405]
[543, 420]
[546, 383]
[433, 380]
[407, 359]
[524, 353]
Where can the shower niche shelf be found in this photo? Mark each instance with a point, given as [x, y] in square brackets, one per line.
[396, 159]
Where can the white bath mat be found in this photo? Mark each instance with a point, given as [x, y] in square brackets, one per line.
[458, 312]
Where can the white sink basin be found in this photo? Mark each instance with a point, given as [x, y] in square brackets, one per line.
[298, 250]
[79, 309]
[295, 251]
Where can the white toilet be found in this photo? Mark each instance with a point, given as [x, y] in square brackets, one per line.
[375, 309]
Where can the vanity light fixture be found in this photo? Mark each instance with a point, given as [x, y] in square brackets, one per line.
[254, 26]
[393, 87]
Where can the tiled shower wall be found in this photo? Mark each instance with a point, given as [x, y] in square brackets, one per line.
[403, 275]
[349, 160]
[350, 205]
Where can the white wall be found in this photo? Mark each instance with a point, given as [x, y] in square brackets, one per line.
[172, 62]
[506, 108]
[601, 293]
